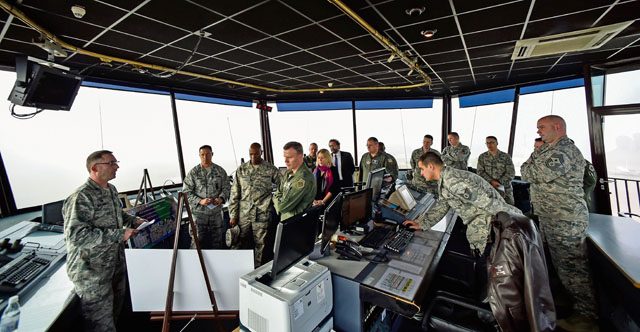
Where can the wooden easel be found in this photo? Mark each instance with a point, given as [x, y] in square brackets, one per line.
[145, 185]
[168, 315]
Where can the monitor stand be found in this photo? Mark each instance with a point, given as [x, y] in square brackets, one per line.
[316, 251]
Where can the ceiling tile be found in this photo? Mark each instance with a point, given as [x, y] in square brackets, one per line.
[271, 47]
[234, 33]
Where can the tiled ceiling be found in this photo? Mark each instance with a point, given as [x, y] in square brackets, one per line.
[305, 44]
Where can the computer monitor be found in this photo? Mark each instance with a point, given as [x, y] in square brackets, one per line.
[295, 239]
[52, 213]
[407, 197]
[374, 181]
[332, 217]
[356, 208]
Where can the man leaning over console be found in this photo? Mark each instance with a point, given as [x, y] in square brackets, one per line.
[516, 267]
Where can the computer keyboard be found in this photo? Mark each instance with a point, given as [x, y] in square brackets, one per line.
[20, 271]
[376, 237]
[399, 240]
[52, 228]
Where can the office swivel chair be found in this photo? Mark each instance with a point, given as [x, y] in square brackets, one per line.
[521, 297]
[461, 283]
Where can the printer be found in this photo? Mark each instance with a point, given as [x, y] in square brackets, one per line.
[299, 299]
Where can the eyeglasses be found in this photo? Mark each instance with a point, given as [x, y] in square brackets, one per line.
[110, 163]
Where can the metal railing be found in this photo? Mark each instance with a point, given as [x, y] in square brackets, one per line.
[625, 197]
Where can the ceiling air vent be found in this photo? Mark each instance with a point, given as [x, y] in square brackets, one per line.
[574, 41]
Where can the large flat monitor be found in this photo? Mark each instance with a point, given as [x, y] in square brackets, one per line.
[356, 208]
[44, 87]
[374, 181]
[295, 239]
[52, 213]
[332, 217]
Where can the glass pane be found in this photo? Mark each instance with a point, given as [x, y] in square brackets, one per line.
[138, 128]
[45, 156]
[568, 103]
[228, 129]
[474, 124]
[622, 143]
[622, 88]
[401, 130]
[310, 127]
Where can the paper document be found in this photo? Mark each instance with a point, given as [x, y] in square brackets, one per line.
[401, 283]
[145, 224]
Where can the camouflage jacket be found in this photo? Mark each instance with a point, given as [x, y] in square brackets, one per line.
[252, 190]
[556, 174]
[93, 234]
[295, 192]
[498, 168]
[198, 185]
[475, 201]
[456, 156]
[382, 159]
[310, 162]
[418, 179]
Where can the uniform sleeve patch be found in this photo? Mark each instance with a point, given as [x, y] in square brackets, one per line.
[299, 184]
[555, 162]
[469, 195]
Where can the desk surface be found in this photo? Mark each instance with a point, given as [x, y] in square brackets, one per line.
[617, 238]
[43, 302]
[406, 276]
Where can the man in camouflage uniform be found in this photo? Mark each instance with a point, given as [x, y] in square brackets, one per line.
[475, 201]
[310, 159]
[207, 187]
[418, 180]
[250, 202]
[94, 234]
[497, 168]
[374, 159]
[455, 154]
[298, 186]
[556, 172]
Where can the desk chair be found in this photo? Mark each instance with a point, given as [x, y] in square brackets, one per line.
[461, 286]
[460, 308]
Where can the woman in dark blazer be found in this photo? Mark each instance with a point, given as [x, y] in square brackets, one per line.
[327, 179]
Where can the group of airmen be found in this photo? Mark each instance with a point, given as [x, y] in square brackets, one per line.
[96, 228]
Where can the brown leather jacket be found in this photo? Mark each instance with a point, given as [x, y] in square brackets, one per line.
[519, 292]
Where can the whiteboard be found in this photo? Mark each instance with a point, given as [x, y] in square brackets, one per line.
[148, 271]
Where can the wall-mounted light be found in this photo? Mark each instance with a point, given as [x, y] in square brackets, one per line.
[330, 84]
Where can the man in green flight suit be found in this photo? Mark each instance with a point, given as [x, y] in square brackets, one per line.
[375, 158]
[298, 186]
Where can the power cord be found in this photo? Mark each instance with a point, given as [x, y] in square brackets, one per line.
[175, 71]
[24, 116]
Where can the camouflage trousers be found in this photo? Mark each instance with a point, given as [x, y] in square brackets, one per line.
[508, 196]
[253, 236]
[478, 233]
[102, 303]
[566, 242]
[210, 230]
